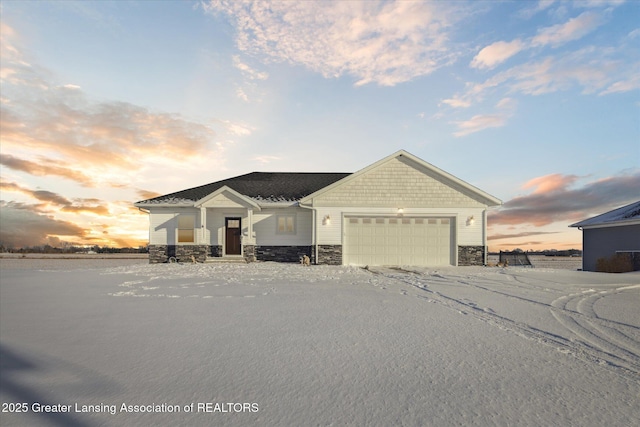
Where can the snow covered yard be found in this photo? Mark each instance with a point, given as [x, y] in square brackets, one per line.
[280, 344]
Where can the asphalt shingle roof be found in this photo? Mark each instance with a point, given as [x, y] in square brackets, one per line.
[261, 186]
[625, 213]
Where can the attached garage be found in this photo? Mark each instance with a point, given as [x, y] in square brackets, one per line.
[400, 210]
[396, 240]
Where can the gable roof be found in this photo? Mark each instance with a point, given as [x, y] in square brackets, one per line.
[302, 187]
[486, 198]
[260, 186]
[629, 214]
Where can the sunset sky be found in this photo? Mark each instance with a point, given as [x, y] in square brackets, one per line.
[107, 103]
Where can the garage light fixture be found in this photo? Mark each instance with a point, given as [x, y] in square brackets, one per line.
[326, 220]
[470, 220]
[400, 211]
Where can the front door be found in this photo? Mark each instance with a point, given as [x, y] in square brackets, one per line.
[232, 236]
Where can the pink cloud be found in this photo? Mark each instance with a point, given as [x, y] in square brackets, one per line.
[573, 29]
[496, 53]
[553, 201]
[550, 183]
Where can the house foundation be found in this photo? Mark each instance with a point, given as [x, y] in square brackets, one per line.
[471, 255]
[282, 253]
[329, 254]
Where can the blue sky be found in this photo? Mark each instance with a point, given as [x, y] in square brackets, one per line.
[106, 103]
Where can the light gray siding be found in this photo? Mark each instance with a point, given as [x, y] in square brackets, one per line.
[163, 224]
[265, 226]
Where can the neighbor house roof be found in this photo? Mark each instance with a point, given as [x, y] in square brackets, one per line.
[626, 215]
[260, 186]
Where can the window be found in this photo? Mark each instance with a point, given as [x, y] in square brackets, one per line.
[186, 226]
[286, 224]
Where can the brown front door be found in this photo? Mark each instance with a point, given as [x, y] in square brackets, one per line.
[232, 235]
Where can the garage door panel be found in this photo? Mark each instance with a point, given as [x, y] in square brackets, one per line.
[399, 241]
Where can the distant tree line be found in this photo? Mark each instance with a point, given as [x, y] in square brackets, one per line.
[71, 249]
[547, 252]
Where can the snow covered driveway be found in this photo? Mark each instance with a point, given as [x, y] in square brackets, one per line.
[283, 345]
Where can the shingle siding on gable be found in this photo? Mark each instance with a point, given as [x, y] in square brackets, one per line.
[221, 200]
[397, 184]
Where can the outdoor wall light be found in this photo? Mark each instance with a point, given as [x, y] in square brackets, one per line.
[470, 220]
[327, 219]
[400, 211]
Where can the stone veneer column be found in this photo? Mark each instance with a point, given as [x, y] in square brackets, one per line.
[249, 253]
[330, 254]
[471, 255]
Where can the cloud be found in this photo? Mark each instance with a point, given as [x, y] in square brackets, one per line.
[628, 84]
[22, 227]
[496, 53]
[522, 234]
[386, 43]
[593, 70]
[539, 7]
[505, 109]
[247, 71]
[457, 102]
[480, 122]
[96, 137]
[554, 201]
[265, 159]
[241, 94]
[46, 167]
[146, 194]
[550, 183]
[48, 199]
[54, 129]
[573, 29]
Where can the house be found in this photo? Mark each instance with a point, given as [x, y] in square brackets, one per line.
[616, 231]
[400, 210]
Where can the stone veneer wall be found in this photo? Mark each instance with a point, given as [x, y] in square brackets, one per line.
[249, 253]
[182, 253]
[330, 254]
[471, 255]
[215, 251]
[282, 253]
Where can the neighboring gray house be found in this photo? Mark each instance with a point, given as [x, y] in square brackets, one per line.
[614, 231]
[400, 210]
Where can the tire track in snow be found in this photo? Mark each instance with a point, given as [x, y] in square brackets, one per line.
[593, 330]
[623, 361]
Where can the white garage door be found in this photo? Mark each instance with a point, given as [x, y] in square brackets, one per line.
[398, 241]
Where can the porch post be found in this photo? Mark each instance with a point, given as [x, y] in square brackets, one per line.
[203, 226]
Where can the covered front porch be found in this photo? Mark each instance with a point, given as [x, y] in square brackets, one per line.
[226, 225]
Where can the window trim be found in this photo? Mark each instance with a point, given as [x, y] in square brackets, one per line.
[285, 217]
[179, 228]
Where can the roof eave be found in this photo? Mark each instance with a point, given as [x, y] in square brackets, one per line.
[621, 223]
[163, 205]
